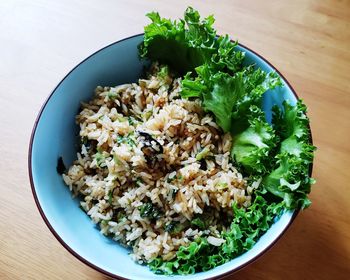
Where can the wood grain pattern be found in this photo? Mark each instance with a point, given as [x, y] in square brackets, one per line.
[308, 40]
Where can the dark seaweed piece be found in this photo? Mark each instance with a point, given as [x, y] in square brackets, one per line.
[61, 168]
[118, 215]
[149, 140]
[176, 227]
[89, 144]
[150, 156]
[150, 148]
[203, 164]
[94, 201]
[174, 192]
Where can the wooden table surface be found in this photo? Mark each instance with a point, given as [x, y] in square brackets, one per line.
[309, 41]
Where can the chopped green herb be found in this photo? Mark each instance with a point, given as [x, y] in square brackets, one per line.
[148, 210]
[120, 139]
[132, 243]
[172, 178]
[112, 95]
[199, 223]
[121, 216]
[175, 227]
[169, 180]
[163, 72]
[116, 160]
[221, 186]
[148, 114]
[203, 221]
[118, 216]
[100, 159]
[130, 141]
[122, 119]
[131, 121]
[110, 234]
[110, 197]
[105, 222]
[202, 154]
[126, 139]
[139, 181]
[84, 140]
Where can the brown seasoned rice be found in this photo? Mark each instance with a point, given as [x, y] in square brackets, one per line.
[143, 146]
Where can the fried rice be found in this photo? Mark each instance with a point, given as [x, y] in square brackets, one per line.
[154, 170]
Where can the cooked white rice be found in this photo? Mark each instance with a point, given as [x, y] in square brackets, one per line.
[150, 161]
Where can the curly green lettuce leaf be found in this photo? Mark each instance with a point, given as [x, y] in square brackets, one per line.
[247, 227]
[214, 66]
[213, 70]
[227, 58]
[252, 147]
[290, 181]
[292, 125]
[291, 120]
[183, 44]
[229, 97]
[256, 82]
[189, 43]
[290, 178]
[223, 97]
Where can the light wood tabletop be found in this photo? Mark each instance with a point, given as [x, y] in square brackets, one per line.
[307, 40]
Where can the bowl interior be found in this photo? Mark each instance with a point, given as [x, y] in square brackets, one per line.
[55, 135]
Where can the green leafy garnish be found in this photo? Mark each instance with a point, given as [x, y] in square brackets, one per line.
[290, 178]
[182, 45]
[100, 159]
[279, 154]
[252, 147]
[202, 154]
[229, 96]
[246, 228]
[128, 139]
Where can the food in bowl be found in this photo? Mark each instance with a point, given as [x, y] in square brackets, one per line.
[183, 166]
[154, 169]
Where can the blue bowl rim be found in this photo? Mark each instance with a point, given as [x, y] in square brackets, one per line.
[85, 261]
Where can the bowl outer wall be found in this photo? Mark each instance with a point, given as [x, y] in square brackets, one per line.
[67, 222]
